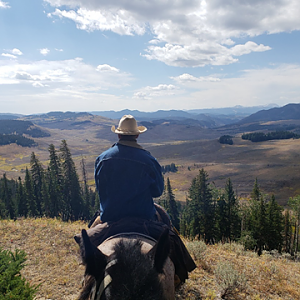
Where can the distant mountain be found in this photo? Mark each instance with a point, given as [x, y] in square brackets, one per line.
[237, 110]
[189, 114]
[287, 112]
[286, 118]
[9, 116]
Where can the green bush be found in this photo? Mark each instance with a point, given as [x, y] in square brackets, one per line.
[12, 285]
[229, 280]
[197, 249]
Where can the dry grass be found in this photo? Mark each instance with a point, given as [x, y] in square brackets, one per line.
[52, 254]
[53, 263]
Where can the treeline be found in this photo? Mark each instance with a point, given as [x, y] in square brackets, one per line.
[54, 191]
[169, 168]
[226, 139]
[19, 127]
[215, 215]
[275, 135]
[7, 139]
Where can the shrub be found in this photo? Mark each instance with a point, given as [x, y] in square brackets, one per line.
[229, 280]
[197, 249]
[12, 285]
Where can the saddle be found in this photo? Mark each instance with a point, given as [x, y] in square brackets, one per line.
[179, 255]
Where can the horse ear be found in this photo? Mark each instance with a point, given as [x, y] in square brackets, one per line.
[160, 251]
[94, 260]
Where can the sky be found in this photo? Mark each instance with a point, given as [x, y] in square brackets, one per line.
[98, 55]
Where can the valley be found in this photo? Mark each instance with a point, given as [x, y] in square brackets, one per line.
[191, 147]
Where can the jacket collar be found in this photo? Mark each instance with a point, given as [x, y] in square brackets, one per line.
[133, 144]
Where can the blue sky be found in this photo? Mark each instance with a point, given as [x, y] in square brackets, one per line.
[93, 55]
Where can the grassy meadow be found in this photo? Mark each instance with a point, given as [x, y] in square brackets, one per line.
[223, 270]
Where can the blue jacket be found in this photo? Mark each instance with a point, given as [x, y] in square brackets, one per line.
[127, 178]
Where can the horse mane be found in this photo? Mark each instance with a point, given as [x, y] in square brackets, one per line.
[136, 272]
[134, 275]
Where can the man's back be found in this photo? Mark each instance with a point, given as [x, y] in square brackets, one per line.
[127, 178]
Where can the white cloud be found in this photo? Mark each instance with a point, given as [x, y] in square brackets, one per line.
[16, 51]
[4, 4]
[106, 68]
[43, 86]
[73, 74]
[255, 87]
[44, 51]
[187, 79]
[119, 22]
[162, 90]
[8, 55]
[192, 33]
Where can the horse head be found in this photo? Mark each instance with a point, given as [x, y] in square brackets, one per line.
[129, 273]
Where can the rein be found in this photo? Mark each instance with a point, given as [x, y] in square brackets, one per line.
[100, 286]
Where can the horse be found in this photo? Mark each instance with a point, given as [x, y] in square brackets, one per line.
[129, 266]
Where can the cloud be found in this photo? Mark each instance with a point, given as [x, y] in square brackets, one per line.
[192, 33]
[106, 68]
[187, 79]
[73, 74]
[162, 90]
[120, 22]
[16, 51]
[278, 84]
[4, 4]
[8, 55]
[44, 51]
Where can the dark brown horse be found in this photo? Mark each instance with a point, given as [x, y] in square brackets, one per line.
[128, 267]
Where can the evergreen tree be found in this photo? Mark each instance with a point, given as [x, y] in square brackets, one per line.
[258, 218]
[55, 184]
[275, 225]
[86, 192]
[30, 195]
[287, 236]
[21, 200]
[222, 218]
[71, 188]
[6, 196]
[232, 210]
[171, 205]
[199, 210]
[12, 284]
[37, 176]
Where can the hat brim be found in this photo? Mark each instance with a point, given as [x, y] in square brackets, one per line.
[140, 129]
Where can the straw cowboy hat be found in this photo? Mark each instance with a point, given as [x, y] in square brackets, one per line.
[128, 126]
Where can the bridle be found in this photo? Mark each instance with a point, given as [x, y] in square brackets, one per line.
[100, 285]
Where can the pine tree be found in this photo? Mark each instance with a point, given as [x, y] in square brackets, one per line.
[30, 196]
[37, 176]
[200, 208]
[171, 205]
[86, 192]
[6, 196]
[55, 184]
[275, 225]
[287, 236]
[21, 200]
[232, 205]
[71, 189]
[258, 218]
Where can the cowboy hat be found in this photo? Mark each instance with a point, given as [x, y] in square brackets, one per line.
[128, 126]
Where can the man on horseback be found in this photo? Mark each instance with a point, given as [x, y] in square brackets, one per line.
[127, 176]
[127, 179]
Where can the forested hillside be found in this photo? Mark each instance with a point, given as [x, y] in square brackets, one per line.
[12, 131]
